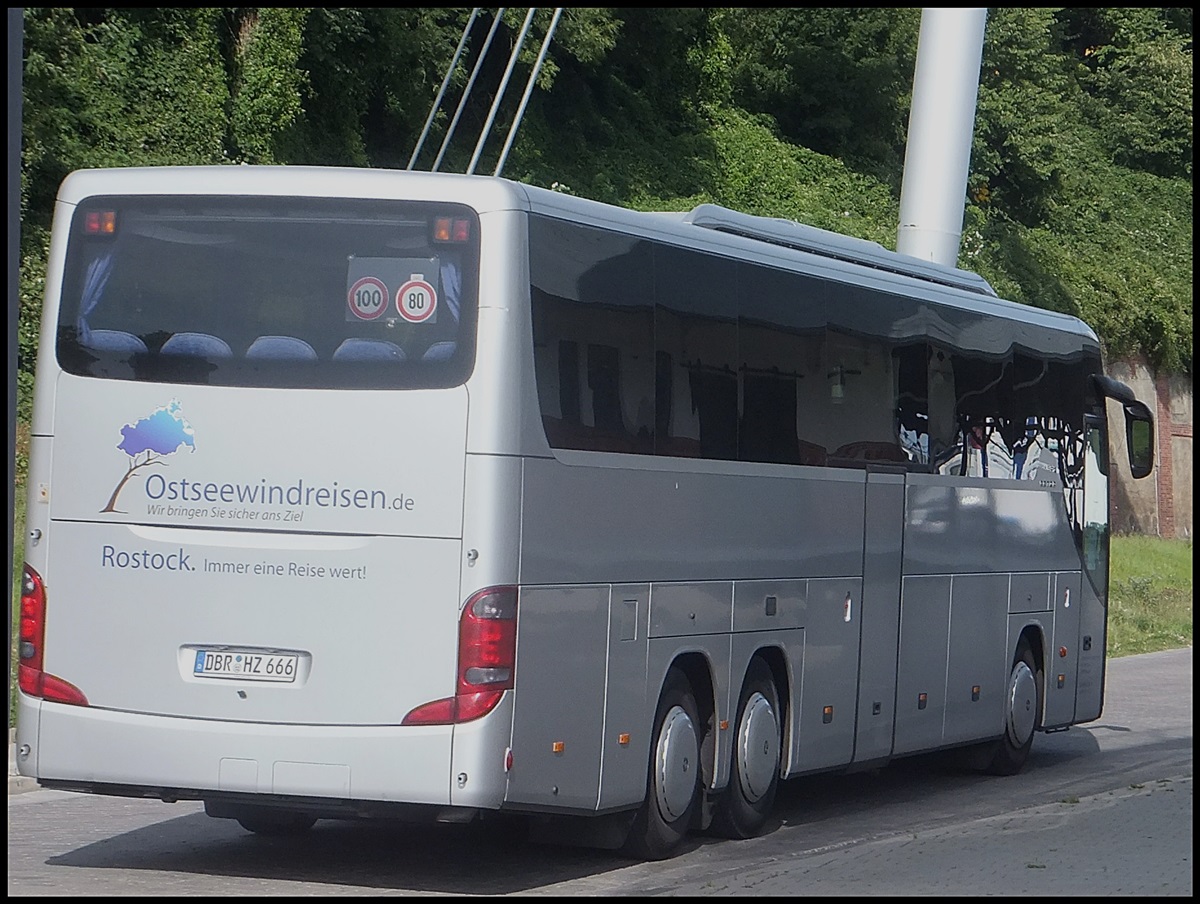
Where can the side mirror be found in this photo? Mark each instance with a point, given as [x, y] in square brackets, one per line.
[1139, 438]
[1139, 424]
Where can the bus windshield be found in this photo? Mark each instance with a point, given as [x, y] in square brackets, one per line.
[238, 291]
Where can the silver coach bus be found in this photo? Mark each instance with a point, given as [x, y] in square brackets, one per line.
[363, 493]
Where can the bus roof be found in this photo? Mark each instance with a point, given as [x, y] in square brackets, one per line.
[709, 227]
[797, 246]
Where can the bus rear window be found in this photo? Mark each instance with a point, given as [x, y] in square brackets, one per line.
[313, 293]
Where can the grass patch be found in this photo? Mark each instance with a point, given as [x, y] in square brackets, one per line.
[1150, 595]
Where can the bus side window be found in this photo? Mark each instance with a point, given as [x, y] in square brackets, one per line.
[910, 364]
[983, 399]
[696, 299]
[945, 436]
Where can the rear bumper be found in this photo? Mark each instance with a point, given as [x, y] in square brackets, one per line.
[173, 758]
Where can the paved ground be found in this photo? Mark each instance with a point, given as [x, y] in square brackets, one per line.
[1105, 810]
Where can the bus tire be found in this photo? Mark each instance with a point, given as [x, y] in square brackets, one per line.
[275, 823]
[757, 750]
[1022, 704]
[673, 775]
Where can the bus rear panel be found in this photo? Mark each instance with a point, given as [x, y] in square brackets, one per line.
[247, 498]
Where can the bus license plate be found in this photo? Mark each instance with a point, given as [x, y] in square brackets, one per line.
[245, 665]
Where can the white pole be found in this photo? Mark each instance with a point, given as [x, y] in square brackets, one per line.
[512, 61]
[533, 74]
[437, 102]
[941, 126]
[462, 101]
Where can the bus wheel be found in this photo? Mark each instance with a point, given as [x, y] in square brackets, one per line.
[757, 746]
[276, 823]
[673, 776]
[1022, 704]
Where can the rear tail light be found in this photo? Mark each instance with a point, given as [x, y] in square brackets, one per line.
[100, 222]
[451, 229]
[487, 660]
[30, 676]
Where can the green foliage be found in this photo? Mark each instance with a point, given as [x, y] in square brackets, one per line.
[1138, 75]
[756, 172]
[30, 291]
[371, 76]
[127, 88]
[265, 97]
[1116, 252]
[1027, 126]
[618, 130]
[586, 34]
[824, 73]
[1073, 212]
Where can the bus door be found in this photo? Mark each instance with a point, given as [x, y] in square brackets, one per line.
[879, 615]
[1075, 670]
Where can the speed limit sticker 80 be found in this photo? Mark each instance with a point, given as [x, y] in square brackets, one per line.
[416, 300]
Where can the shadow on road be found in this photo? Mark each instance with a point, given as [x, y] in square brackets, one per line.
[492, 857]
[495, 856]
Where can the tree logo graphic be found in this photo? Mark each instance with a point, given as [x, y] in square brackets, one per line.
[149, 440]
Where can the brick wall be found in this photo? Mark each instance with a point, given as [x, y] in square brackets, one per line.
[1161, 504]
[1164, 464]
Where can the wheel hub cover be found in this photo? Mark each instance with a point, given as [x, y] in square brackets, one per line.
[757, 747]
[678, 757]
[1022, 704]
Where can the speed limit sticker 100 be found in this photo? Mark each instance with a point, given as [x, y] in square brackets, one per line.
[367, 298]
[416, 300]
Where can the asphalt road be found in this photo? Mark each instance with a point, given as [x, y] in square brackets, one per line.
[1102, 809]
